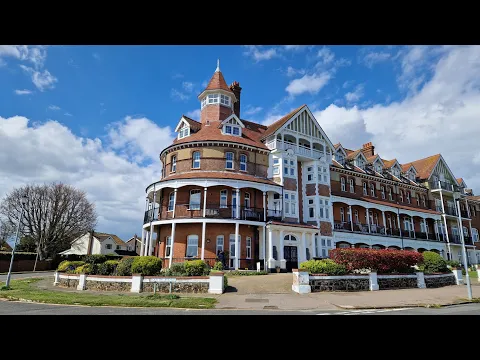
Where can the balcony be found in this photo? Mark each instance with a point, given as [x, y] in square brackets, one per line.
[456, 239]
[297, 149]
[437, 185]
[382, 231]
[213, 211]
[451, 211]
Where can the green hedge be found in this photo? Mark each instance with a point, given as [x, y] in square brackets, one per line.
[95, 259]
[325, 266]
[218, 266]
[124, 267]
[433, 263]
[147, 265]
[107, 268]
[196, 268]
[85, 269]
[69, 266]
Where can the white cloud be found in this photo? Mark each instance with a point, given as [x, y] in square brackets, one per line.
[355, 95]
[373, 58]
[294, 47]
[23, 92]
[442, 117]
[175, 94]
[257, 53]
[42, 80]
[326, 55]
[54, 107]
[194, 114]
[67, 114]
[308, 84]
[292, 71]
[251, 110]
[115, 184]
[187, 86]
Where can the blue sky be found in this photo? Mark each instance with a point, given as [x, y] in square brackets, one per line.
[98, 116]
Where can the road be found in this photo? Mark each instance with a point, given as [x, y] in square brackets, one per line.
[3, 277]
[21, 308]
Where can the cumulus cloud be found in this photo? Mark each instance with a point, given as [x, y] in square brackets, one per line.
[252, 110]
[41, 79]
[115, 182]
[194, 114]
[308, 84]
[259, 53]
[354, 96]
[23, 92]
[373, 58]
[442, 117]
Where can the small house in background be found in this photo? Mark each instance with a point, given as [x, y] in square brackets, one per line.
[94, 242]
[133, 244]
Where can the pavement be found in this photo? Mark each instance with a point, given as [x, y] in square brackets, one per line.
[21, 275]
[273, 293]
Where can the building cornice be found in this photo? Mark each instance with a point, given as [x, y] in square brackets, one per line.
[207, 143]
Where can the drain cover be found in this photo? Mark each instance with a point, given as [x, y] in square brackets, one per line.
[257, 300]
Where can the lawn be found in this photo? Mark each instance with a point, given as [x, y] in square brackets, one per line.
[26, 289]
[473, 274]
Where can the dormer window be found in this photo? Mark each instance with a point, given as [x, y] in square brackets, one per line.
[360, 163]
[232, 127]
[184, 131]
[340, 158]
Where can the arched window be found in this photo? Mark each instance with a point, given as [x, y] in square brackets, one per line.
[243, 162]
[229, 160]
[290, 238]
[342, 182]
[196, 160]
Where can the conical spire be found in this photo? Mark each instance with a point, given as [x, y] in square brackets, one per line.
[218, 81]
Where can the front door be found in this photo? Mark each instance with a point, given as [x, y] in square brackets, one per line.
[291, 256]
[233, 253]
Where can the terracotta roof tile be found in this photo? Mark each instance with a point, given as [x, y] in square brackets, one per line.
[352, 154]
[103, 236]
[308, 226]
[218, 82]
[194, 124]
[459, 181]
[336, 146]
[386, 203]
[425, 166]
[372, 158]
[336, 164]
[388, 163]
[279, 123]
[218, 175]
[405, 167]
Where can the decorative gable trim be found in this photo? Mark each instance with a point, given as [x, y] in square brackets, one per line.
[234, 117]
[441, 159]
[182, 121]
[340, 148]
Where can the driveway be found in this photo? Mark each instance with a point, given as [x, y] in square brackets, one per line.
[261, 284]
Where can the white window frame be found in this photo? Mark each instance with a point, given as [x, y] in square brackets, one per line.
[191, 239]
[390, 196]
[195, 206]
[342, 184]
[289, 168]
[475, 237]
[243, 164]
[382, 189]
[342, 214]
[168, 246]
[173, 164]
[324, 208]
[223, 199]
[407, 195]
[400, 194]
[219, 246]
[355, 214]
[289, 204]
[365, 189]
[232, 127]
[246, 197]
[108, 246]
[196, 161]
[417, 196]
[225, 100]
[171, 201]
[310, 174]
[352, 185]
[311, 208]
[276, 166]
[372, 190]
[322, 246]
[184, 131]
[229, 161]
[248, 247]
[424, 201]
[323, 174]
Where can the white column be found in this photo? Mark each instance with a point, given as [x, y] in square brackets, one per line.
[172, 236]
[150, 245]
[384, 222]
[435, 229]
[470, 226]
[270, 244]
[399, 223]
[368, 218]
[445, 222]
[237, 250]
[468, 209]
[204, 225]
[281, 257]
[264, 206]
[264, 252]
[142, 244]
[145, 248]
[425, 224]
[317, 202]
[174, 202]
[351, 216]
[204, 202]
[303, 250]
[238, 205]
[413, 227]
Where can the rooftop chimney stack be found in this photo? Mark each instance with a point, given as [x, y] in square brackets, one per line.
[236, 89]
[368, 149]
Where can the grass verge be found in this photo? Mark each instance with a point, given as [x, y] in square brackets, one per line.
[26, 290]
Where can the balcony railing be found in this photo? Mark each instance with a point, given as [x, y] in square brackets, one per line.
[464, 214]
[435, 185]
[382, 231]
[213, 211]
[297, 149]
[456, 239]
[451, 211]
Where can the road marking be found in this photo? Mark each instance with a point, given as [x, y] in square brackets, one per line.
[363, 311]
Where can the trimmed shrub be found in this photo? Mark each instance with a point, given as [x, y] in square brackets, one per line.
[69, 266]
[95, 259]
[196, 268]
[124, 267]
[433, 263]
[383, 261]
[147, 265]
[218, 266]
[85, 269]
[454, 264]
[177, 269]
[245, 273]
[325, 266]
[108, 267]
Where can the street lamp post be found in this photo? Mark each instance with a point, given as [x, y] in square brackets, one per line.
[464, 251]
[23, 201]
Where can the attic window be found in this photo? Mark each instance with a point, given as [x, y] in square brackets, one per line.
[184, 131]
[232, 128]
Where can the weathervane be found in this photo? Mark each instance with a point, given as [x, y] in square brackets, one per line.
[218, 65]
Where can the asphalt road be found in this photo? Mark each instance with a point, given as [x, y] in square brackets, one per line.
[3, 277]
[21, 308]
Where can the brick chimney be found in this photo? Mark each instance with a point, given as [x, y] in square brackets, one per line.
[236, 89]
[368, 149]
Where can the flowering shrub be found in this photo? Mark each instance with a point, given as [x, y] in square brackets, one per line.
[382, 261]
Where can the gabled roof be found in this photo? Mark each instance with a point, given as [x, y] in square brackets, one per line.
[388, 164]
[279, 123]
[461, 182]
[355, 154]
[373, 158]
[426, 166]
[233, 116]
[407, 167]
[133, 239]
[340, 147]
[194, 125]
[103, 236]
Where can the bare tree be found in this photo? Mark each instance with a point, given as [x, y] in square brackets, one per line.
[5, 232]
[54, 215]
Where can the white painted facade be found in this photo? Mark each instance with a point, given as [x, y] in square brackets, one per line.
[80, 246]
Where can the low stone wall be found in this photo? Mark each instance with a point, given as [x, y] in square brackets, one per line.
[386, 282]
[440, 280]
[213, 284]
[339, 283]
